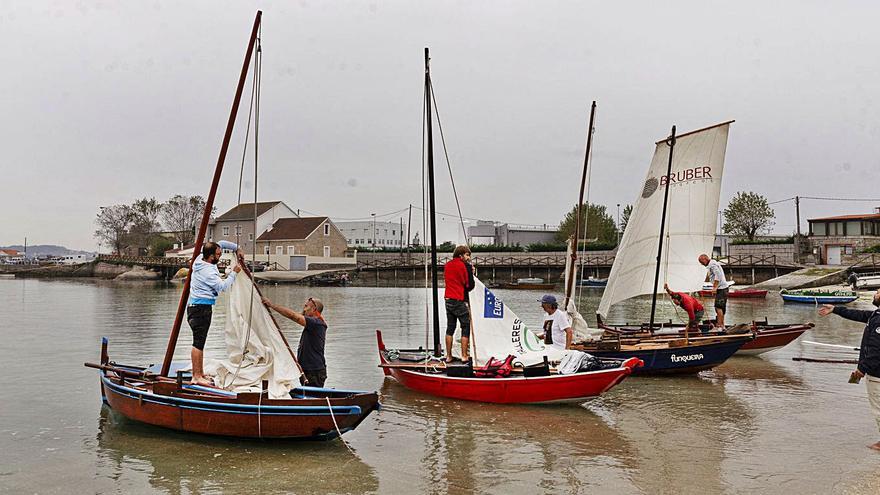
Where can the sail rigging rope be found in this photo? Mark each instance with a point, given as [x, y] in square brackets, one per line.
[255, 110]
[448, 164]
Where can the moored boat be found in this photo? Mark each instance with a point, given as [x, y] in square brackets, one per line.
[739, 294]
[593, 282]
[818, 296]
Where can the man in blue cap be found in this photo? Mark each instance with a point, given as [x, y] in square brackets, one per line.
[557, 325]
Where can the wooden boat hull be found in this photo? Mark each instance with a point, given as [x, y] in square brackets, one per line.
[526, 286]
[512, 390]
[307, 419]
[689, 359]
[817, 299]
[767, 337]
[593, 282]
[739, 294]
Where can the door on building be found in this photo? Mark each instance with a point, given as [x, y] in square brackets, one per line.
[298, 262]
[326, 251]
[832, 255]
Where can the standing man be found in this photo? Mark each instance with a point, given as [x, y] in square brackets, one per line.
[205, 286]
[693, 307]
[310, 352]
[557, 325]
[719, 288]
[869, 351]
[458, 276]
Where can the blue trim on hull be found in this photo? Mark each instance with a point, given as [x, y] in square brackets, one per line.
[681, 359]
[220, 407]
[819, 299]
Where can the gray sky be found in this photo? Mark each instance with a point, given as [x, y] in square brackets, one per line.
[106, 102]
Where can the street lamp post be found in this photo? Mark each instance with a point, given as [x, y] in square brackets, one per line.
[618, 224]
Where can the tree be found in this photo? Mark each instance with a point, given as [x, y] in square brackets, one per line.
[114, 223]
[747, 215]
[181, 214]
[600, 225]
[624, 219]
[145, 221]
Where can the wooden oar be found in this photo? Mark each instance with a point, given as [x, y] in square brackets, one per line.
[831, 361]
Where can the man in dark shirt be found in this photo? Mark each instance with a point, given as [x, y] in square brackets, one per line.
[869, 351]
[310, 353]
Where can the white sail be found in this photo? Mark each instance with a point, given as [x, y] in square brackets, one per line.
[694, 189]
[497, 332]
[266, 356]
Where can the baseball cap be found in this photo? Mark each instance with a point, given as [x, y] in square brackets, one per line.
[548, 299]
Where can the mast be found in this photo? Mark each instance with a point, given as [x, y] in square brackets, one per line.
[431, 211]
[577, 222]
[671, 143]
[209, 203]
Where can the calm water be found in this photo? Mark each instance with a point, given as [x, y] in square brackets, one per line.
[753, 425]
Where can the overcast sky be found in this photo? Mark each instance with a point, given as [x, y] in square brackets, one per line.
[107, 102]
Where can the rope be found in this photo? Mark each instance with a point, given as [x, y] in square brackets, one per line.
[333, 416]
[448, 164]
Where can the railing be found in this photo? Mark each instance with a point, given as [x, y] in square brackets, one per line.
[750, 260]
[143, 260]
[492, 260]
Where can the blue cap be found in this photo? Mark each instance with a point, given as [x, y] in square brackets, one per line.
[548, 299]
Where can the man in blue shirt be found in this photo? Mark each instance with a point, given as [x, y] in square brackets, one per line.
[205, 286]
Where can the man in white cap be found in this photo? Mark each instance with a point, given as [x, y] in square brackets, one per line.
[557, 325]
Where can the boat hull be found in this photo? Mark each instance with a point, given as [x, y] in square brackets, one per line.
[690, 359]
[797, 298]
[739, 294]
[573, 388]
[307, 419]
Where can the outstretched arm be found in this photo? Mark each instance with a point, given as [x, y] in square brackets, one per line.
[286, 312]
[860, 315]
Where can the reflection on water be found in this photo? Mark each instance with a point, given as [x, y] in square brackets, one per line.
[753, 425]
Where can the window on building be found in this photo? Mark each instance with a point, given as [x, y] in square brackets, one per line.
[266, 249]
[393, 232]
[326, 251]
[251, 236]
[853, 228]
[225, 231]
[279, 249]
[847, 250]
[326, 229]
[819, 228]
[238, 230]
[291, 250]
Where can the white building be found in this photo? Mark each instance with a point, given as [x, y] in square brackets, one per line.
[373, 234]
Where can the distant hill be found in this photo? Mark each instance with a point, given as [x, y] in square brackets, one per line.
[45, 249]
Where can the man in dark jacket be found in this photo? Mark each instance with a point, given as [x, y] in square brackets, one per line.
[869, 353]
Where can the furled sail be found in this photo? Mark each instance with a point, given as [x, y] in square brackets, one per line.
[497, 332]
[265, 355]
[579, 326]
[695, 187]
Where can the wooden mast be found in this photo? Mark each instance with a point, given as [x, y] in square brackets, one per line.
[671, 143]
[577, 223]
[431, 210]
[209, 203]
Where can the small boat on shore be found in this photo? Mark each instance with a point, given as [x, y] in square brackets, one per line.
[819, 296]
[531, 283]
[868, 281]
[593, 282]
[739, 294]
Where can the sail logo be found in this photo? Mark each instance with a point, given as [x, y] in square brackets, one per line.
[685, 359]
[492, 306]
[687, 175]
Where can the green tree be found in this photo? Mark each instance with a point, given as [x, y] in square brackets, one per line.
[624, 219]
[748, 215]
[600, 225]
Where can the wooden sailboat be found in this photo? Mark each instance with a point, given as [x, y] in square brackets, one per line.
[667, 355]
[496, 329]
[151, 395]
[695, 175]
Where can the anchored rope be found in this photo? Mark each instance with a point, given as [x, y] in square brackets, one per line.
[338, 432]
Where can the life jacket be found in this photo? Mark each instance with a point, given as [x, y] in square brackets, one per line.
[495, 368]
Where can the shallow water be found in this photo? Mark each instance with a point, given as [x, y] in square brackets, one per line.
[768, 424]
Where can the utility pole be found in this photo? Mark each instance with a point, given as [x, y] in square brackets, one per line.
[408, 226]
[618, 224]
[797, 236]
[374, 230]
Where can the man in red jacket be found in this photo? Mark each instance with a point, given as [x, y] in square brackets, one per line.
[692, 306]
[459, 277]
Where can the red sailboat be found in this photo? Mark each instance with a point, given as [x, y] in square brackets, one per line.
[150, 395]
[495, 328]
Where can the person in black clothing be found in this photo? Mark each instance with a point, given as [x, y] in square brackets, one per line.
[869, 351]
[853, 279]
[310, 353]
